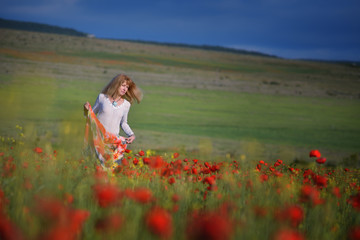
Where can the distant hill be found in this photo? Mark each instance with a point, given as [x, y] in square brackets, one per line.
[204, 47]
[45, 28]
[39, 27]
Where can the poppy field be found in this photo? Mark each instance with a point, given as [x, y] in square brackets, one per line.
[228, 146]
[58, 194]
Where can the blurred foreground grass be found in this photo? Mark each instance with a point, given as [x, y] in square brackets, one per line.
[60, 194]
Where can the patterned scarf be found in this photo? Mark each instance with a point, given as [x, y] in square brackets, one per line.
[108, 147]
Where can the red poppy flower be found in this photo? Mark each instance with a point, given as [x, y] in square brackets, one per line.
[38, 150]
[205, 171]
[307, 173]
[135, 161]
[176, 155]
[156, 162]
[319, 180]
[141, 153]
[106, 194]
[278, 163]
[354, 233]
[293, 214]
[175, 198]
[146, 161]
[68, 227]
[100, 174]
[205, 195]
[68, 198]
[209, 180]
[264, 177]
[210, 225]
[77, 218]
[64, 222]
[260, 211]
[310, 194]
[142, 195]
[109, 223]
[355, 201]
[171, 180]
[215, 168]
[321, 160]
[315, 153]
[9, 167]
[258, 167]
[336, 192]
[8, 229]
[159, 222]
[51, 209]
[3, 200]
[288, 234]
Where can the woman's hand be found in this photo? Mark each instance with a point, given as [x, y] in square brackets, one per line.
[86, 106]
[130, 139]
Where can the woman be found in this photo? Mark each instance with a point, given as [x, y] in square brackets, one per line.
[109, 113]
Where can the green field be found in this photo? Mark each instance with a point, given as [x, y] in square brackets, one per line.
[204, 102]
[224, 146]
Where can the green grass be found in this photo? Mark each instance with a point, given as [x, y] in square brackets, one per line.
[200, 64]
[317, 122]
[51, 104]
[260, 105]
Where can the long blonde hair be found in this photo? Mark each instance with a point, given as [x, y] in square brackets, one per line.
[133, 92]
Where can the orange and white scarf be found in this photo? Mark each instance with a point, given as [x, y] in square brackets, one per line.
[109, 147]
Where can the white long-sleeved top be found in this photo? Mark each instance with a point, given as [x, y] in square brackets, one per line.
[111, 117]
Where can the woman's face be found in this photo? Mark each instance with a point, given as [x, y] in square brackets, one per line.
[123, 88]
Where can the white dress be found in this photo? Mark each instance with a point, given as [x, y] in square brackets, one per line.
[113, 117]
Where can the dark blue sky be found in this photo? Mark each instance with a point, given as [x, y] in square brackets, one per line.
[316, 29]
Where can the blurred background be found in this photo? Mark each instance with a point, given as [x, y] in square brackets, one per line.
[260, 79]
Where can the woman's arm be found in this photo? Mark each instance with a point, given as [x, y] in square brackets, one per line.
[126, 128]
[96, 106]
